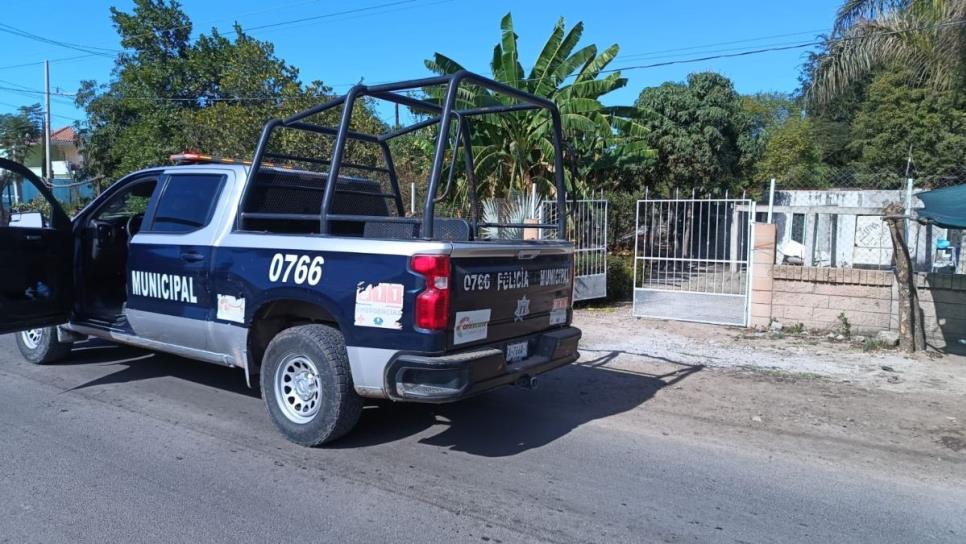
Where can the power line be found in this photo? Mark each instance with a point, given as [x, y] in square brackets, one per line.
[247, 29]
[35, 37]
[8, 104]
[144, 34]
[235, 17]
[35, 63]
[740, 53]
[955, 22]
[666, 52]
[328, 15]
[33, 91]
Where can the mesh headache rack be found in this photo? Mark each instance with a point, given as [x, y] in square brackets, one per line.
[333, 202]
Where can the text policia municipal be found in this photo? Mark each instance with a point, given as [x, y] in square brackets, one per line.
[515, 279]
[163, 286]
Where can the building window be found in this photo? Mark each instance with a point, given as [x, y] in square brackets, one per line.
[798, 227]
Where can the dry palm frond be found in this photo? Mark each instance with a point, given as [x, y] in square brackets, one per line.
[926, 36]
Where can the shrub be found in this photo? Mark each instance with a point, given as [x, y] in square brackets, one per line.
[845, 327]
[621, 215]
[620, 276]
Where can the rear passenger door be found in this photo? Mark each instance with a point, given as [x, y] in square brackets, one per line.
[169, 281]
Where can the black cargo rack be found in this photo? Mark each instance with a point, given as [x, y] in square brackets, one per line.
[442, 114]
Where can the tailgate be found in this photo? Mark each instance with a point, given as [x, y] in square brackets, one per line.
[500, 294]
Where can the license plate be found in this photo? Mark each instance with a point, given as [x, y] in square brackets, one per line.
[516, 351]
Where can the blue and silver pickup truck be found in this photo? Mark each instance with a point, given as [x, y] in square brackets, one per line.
[315, 283]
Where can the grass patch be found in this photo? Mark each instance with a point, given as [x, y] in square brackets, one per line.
[873, 344]
[783, 375]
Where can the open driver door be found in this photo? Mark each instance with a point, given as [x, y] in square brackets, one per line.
[36, 252]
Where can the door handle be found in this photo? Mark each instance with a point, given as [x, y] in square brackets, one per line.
[32, 237]
[191, 256]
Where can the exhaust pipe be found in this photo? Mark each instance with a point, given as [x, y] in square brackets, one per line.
[527, 382]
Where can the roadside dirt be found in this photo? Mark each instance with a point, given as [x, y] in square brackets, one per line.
[825, 401]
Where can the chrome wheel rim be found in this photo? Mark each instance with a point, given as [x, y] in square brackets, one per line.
[32, 338]
[298, 388]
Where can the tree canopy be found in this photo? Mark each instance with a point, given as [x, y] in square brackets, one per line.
[19, 131]
[703, 135]
[169, 93]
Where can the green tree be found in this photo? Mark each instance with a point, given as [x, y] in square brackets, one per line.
[19, 131]
[793, 155]
[924, 36]
[900, 117]
[701, 132]
[169, 93]
[514, 151]
[763, 113]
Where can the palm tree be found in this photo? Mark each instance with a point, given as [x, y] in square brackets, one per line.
[517, 146]
[928, 36]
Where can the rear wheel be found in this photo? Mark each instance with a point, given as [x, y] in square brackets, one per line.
[307, 385]
[40, 346]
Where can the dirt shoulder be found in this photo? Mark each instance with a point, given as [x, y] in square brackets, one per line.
[828, 402]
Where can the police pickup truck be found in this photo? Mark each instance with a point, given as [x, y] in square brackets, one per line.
[315, 283]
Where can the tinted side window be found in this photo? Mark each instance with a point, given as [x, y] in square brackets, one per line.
[187, 202]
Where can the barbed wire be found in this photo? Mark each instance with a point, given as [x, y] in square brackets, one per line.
[832, 178]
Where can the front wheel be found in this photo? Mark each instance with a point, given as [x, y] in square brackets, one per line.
[307, 385]
[40, 346]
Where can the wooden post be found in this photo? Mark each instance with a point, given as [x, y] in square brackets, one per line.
[912, 333]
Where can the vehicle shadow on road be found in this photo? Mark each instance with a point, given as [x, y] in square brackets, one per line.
[511, 420]
[130, 364]
[93, 352]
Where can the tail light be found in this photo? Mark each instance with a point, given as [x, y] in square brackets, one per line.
[432, 304]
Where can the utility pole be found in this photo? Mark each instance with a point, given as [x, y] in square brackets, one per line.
[48, 173]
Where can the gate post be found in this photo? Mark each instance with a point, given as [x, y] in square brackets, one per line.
[763, 259]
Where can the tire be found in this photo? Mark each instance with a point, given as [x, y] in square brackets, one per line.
[307, 385]
[40, 346]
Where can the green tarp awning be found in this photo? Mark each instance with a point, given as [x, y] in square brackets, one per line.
[945, 207]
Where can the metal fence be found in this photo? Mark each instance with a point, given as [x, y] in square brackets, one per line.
[587, 229]
[692, 259]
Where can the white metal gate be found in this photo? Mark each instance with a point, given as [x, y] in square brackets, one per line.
[692, 259]
[587, 229]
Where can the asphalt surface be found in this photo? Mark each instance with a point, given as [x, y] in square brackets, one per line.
[123, 445]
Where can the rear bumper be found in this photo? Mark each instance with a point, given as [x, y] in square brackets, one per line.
[447, 378]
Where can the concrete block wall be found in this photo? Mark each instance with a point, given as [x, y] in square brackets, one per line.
[943, 301]
[816, 297]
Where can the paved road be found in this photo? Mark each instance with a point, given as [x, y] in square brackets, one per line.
[123, 445]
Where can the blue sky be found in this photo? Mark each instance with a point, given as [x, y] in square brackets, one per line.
[390, 42]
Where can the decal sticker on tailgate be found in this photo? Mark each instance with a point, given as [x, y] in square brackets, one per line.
[471, 326]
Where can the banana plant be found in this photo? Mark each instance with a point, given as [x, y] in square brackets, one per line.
[513, 151]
